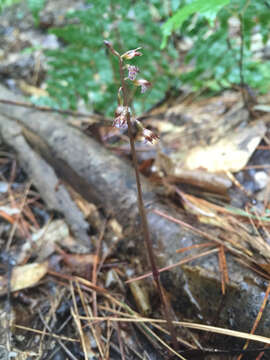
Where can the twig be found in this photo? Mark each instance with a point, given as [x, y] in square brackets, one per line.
[59, 111]
[121, 346]
[60, 342]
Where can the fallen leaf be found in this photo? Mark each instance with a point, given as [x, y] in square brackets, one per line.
[24, 276]
[231, 153]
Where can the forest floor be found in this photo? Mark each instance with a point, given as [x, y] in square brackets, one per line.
[70, 258]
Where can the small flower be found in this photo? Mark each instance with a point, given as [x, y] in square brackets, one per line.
[149, 136]
[120, 120]
[144, 84]
[132, 72]
[131, 54]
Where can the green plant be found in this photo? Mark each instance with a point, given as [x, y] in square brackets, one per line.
[83, 70]
[35, 6]
[219, 57]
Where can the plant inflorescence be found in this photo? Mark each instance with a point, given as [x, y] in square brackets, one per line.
[124, 119]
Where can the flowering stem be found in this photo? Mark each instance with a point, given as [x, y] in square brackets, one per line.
[145, 227]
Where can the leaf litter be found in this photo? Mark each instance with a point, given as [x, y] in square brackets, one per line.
[46, 243]
[202, 143]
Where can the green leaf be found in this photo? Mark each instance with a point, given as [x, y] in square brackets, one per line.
[83, 69]
[209, 8]
[35, 6]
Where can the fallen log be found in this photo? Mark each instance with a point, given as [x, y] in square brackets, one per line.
[108, 181]
[46, 181]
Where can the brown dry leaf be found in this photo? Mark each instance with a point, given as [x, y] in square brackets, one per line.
[24, 276]
[79, 261]
[230, 153]
[31, 90]
[196, 205]
[265, 267]
[43, 241]
[193, 122]
[116, 228]
[217, 183]
[140, 294]
[209, 134]
[205, 212]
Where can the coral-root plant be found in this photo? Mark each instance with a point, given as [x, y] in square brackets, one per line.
[124, 119]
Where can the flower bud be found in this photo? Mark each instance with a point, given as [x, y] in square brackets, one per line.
[110, 47]
[131, 54]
